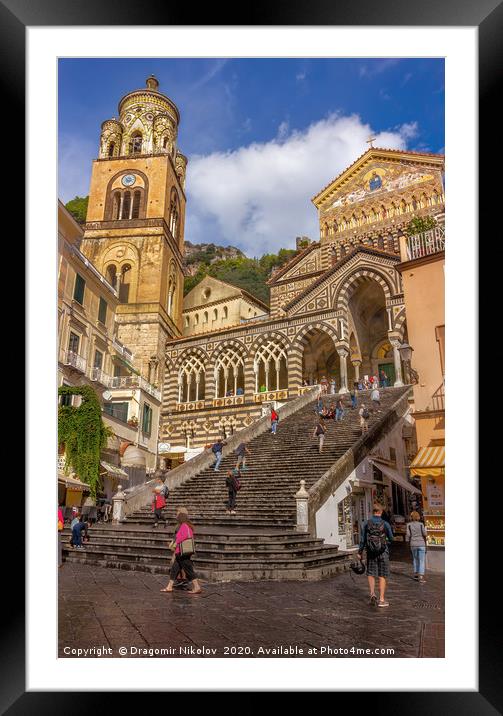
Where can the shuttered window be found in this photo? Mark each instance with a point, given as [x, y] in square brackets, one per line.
[79, 289]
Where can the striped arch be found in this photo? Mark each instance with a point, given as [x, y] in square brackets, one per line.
[399, 322]
[300, 339]
[193, 350]
[355, 279]
[232, 344]
[266, 337]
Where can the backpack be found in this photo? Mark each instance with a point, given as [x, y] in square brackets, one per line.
[237, 484]
[376, 538]
[365, 414]
[165, 491]
[216, 448]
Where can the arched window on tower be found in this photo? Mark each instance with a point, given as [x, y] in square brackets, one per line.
[126, 206]
[111, 275]
[136, 204]
[171, 289]
[174, 214]
[343, 250]
[391, 244]
[116, 205]
[135, 146]
[125, 283]
[380, 243]
[111, 149]
[225, 312]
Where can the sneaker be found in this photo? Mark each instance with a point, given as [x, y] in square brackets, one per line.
[383, 604]
[233, 512]
[216, 469]
[421, 580]
[373, 600]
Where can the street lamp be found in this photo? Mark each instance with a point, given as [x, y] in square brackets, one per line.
[411, 376]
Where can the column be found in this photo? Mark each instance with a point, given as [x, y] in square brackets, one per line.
[294, 367]
[189, 383]
[398, 365]
[267, 364]
[180, 385]
[277, 375]
[255, 369]
[343, 355]
[121, 205]
[356, 366]
[226, 375]
[197, 386]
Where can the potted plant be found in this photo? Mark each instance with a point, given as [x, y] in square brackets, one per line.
[133, 421]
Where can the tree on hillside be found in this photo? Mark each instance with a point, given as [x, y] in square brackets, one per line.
[78, 208]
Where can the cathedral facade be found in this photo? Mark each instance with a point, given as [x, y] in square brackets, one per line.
[336, 309]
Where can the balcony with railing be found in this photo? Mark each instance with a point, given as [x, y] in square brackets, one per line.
[424, 244]
[134, 381]
[99, 376]
[75, 361]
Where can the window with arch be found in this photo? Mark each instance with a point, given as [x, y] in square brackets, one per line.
[187, 322]
[111, 149]
[191, 380]
[170, 306]
[225, 312]
[215, 314]
[391, 244]
[270, 366]
[126, 205]
[125, 283]
[196, 319]
[343, 250]
[136, 143]
[205, 317]
[229, 373]
[174, 214]
[380, 242]
[111, 275]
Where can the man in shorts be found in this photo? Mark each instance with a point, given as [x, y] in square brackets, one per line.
[375, 537]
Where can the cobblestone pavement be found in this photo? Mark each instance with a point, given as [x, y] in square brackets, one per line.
[108, 609]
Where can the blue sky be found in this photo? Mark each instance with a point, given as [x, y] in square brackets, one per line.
[262, 135]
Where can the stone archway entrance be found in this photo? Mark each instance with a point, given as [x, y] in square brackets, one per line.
[320, 358]
[367, 306]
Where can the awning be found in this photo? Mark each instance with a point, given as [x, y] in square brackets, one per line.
[395, 476]
[72, 483]
[429, 462]
[114, 470]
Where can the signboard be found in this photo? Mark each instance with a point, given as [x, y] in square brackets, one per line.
[435, 495]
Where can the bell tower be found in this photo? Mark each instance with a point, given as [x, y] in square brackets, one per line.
[135, 222]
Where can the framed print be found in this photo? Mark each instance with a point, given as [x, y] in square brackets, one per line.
[260, 230]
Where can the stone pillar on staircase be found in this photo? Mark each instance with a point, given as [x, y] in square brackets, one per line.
[356, 365]
[398, 363]
[301, 498]
[119, 504]
[343, 357]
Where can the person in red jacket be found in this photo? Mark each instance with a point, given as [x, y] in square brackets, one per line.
[274, 421]
[158, 502]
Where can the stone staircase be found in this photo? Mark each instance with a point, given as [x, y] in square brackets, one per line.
[260, 541]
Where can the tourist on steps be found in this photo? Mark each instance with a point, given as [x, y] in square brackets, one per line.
[319, 432]
[415, 535]
[274, 421]
[217, 450]
[354, 399]
[158, 503]
[339, 409]
[241, 451]
[182, 559]
[232, 483]
[375, 396]
[375, 538]
[78, 529]
[364, 419]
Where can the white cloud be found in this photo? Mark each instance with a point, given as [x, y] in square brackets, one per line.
[258, 196]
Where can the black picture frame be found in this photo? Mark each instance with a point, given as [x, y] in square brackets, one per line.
[487, 15]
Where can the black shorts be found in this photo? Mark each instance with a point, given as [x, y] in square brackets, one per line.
[378, 566]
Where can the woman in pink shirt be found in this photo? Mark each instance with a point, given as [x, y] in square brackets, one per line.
[184, 531]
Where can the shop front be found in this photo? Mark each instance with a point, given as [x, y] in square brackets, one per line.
[429, 466]
[71, 492]
[399, 496]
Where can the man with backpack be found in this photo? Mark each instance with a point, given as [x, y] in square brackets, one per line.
[364, 418]
[375, 537]
[233, 484]
[241, 451]
[319, 432]
[217, 449]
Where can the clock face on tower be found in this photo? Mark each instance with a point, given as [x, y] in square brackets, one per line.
[128, 179]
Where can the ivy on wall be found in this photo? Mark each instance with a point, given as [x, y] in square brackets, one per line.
[84, 434]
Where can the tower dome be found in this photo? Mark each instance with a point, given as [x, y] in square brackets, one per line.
[149, 120]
